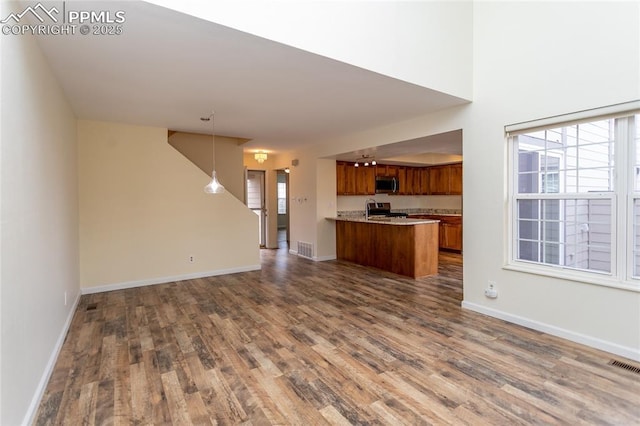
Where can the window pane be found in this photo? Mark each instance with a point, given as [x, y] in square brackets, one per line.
[636, 170]
[570, 233]
[636, 233]
[282, 198]
[572, 159]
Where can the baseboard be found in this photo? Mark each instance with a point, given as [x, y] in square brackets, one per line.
[314, 258]
[164, 280]
[614, 348]
[324, 258]
[46, 375]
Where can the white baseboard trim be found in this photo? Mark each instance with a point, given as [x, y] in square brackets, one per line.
[583, 339]
[164, 280]
[314, 258]
[324, 258]
[46, 375]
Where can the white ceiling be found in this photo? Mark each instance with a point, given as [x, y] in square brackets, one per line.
[168, 69]
[434, 149]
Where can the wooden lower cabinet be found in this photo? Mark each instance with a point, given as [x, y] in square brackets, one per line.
[410, 250]
[449, 231]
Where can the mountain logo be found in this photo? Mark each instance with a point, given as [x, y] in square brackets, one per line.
[39, 11]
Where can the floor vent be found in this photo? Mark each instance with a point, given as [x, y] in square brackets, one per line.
[92, 307]
[625, 366]
[305, 250]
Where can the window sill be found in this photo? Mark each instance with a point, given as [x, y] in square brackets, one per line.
[576, 276]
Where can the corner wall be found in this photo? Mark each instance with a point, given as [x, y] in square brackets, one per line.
[38, 222]
[143, 213]
[521, 72]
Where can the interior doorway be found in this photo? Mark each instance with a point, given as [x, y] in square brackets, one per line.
[283, 209]
[256, 201]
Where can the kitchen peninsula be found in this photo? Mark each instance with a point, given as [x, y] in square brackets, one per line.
[400, 245]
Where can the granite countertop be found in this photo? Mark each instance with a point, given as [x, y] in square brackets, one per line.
[382, 220]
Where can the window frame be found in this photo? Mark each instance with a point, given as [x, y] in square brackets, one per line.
[622, 198]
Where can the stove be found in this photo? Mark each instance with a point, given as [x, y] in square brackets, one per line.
[383, 209]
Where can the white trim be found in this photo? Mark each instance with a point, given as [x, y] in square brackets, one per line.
[164, 280]
[603, 279]
[48, 370]
[614, 348]
[315, 258]
[588, 114]
[324, 258]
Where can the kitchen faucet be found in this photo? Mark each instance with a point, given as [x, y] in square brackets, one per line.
[366, 207]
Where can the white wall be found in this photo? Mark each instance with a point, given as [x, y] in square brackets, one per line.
[428, 43]
[585, 55]
[39, 223]
[143, 212]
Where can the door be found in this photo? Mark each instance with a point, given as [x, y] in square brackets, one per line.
[256, 201]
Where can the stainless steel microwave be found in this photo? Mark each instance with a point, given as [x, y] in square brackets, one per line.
[386, 184]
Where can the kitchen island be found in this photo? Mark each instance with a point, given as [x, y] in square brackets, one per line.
[400, 245]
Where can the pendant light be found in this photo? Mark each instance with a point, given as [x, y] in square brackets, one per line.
[214, 187]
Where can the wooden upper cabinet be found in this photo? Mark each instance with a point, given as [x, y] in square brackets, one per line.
[381, 170]
[365, 180]
[444, 179]
[401, 175]
[424, 181]
[345, 178]
[351, 180]
[455, 185]
[439, 180]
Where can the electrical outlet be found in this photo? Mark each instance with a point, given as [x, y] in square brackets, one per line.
[491, 292]
[191, 259]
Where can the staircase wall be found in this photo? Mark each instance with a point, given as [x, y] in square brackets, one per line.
[144, 214]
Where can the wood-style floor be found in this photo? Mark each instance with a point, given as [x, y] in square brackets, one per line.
[309, 343]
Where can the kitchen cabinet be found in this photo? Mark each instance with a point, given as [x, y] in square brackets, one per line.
[445, 179]
[424, 181]
[435, 180]
[345, 178]
[351, 180]
[455, 182]
[410, 250]
[401, 175]
[449, 231]
[450, 235]
[439, 180]
[365, 180]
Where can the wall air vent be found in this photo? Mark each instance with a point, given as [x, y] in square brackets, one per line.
[305, 250]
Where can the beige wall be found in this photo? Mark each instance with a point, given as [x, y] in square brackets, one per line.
[38, 223]
[143, 212]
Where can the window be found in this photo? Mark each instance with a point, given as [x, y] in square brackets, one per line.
[282, 198]
[575, 196]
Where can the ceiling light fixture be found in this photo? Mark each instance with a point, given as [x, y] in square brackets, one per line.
[214, 187]
[365, 158]
[260, 157]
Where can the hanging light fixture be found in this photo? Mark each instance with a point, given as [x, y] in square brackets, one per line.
[260, 157]
[214, 187]
[365, 159]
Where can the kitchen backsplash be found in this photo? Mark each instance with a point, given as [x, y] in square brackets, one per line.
[408, 211]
